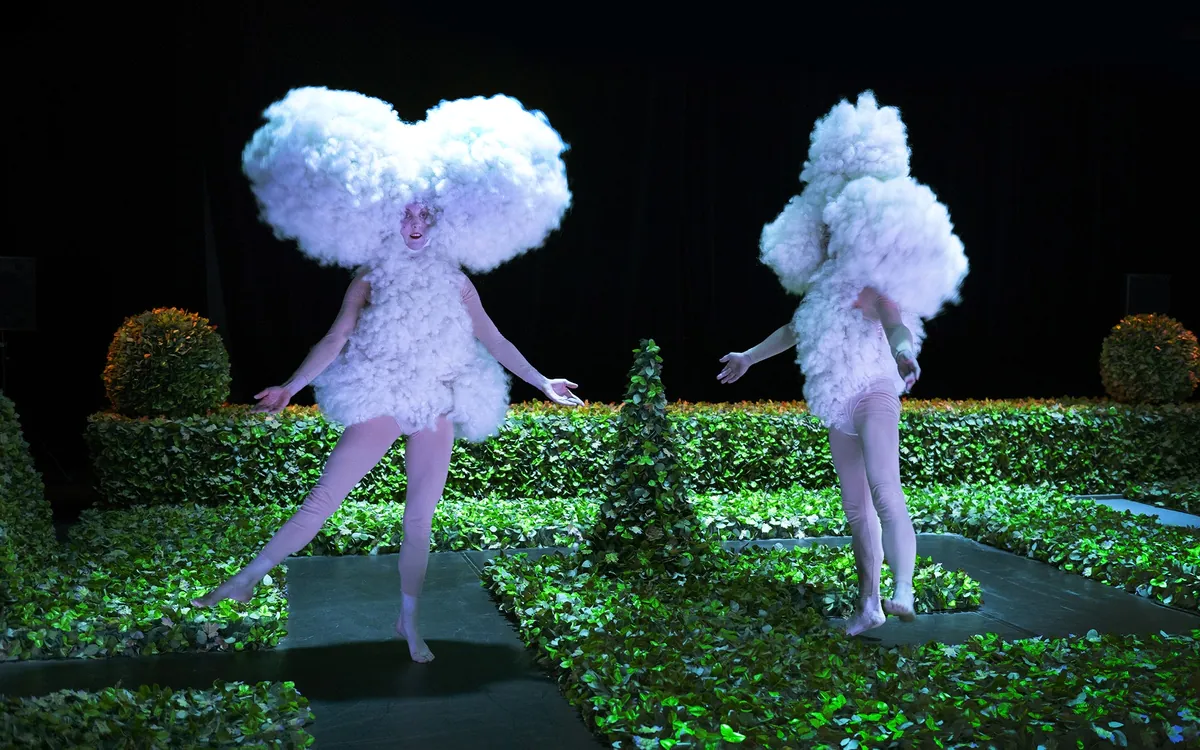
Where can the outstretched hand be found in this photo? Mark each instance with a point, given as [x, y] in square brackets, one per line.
[909, 369]
[559, 391]
[736, 364]
[272, 400]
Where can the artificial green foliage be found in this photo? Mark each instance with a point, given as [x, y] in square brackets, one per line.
[26, 523]
[646, 523]
[744, 659]
[158, 558]
[1128, 551]
[543, 451]
[1181, 493]
[233, 454]
[1150, 359]
[231, 714]
[166, 362]
[123, 586]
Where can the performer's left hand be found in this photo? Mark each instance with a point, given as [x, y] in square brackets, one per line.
[909, 370]
[559, 391]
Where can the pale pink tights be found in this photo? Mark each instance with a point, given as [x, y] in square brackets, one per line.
[426, 463]
[868, 467]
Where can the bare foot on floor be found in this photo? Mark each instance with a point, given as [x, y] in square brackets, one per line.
[864, 620]
[899, 608]
[417, 649]
[237, 590]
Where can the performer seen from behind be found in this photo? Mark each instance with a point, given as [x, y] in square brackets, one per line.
[873, 254]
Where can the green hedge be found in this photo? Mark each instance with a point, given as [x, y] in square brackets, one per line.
[124, 583]
[1081, 446]
[229, 715]
[154, 559]
[122, 589]
[730, 659]
[135, 598]
[1181, 493]
[1131, 552]
[26, 522]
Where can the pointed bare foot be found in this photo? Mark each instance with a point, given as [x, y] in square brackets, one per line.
[417, 649]
[237, 590]
[865, 619]
[898, 608]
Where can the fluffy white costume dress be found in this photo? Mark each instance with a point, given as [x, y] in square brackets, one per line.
[860, 221]
[334, 170]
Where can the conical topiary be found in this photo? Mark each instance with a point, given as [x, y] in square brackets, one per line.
[646, 522]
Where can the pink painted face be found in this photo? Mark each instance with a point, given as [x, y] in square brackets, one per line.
[416, 225]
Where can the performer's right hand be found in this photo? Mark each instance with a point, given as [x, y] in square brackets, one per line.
[736, 364]
[272, 400]
[906, 363]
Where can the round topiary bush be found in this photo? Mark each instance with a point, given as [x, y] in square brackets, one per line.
[1150, 359]
[166, 362]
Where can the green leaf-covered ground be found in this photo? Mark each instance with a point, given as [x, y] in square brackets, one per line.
[733, 656]
[142, 566]
[265, 715]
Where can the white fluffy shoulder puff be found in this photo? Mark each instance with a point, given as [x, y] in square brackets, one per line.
[896, 236]
[861, 211]
[793, 244]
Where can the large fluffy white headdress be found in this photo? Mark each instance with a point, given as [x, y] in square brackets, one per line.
[860, 140]
[861, 210]
[333, 171]
[849, 142]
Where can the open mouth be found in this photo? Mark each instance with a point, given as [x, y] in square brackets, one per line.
[415, 235]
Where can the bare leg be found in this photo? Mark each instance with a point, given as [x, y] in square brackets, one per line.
[356, 453]
[864, 529]
[877, 421]
[427, 464]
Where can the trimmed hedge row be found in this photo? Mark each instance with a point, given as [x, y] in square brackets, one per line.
[192, 548]
[229, 715]
[26, 522]
[125, 588]
[1182, 494]
[77, 602]
[109, 592]
[136, 599]
[1086, 447]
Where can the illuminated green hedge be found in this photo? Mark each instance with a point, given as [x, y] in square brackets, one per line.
[100, 598]
[752, 666]
[1180, 493]
[234, 714]
[546, 451]
[26, 523]
[106, 605]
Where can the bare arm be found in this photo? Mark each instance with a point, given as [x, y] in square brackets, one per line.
[780, 341]
[888, 314]
[498, 346]
[332, 342]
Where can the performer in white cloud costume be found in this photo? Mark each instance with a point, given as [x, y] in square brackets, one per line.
[873, 253]
[412, 351]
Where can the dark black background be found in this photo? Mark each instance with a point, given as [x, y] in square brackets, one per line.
[1057, 148]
